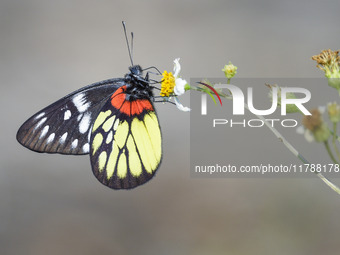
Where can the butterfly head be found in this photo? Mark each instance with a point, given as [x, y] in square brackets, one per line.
[136, 70]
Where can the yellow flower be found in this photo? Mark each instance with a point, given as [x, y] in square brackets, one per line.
[168, 84]
[229, 70]
[173, 86]
[172, 83]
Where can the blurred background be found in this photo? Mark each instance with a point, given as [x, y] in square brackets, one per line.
[52, 204]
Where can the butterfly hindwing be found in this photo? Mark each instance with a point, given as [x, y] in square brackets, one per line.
[64, 126]
[125, 144]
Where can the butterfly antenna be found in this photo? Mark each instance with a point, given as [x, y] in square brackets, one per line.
[127, 42]
[131, 45]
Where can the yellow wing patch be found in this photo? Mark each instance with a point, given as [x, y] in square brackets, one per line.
[121, 134]
[102, 160]
[108, 124]
[134, 162]
[97, 141]
[144, 144]
[152, 127]
[100, 119]
[111, 164]
[126, 148]
[122, 166]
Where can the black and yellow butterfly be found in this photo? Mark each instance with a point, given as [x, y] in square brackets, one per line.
[113, 120]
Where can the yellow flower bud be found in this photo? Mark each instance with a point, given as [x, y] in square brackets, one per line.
[334, 112]
[229, 70]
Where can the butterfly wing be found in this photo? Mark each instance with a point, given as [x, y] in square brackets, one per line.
[64, 126]
[126, 143]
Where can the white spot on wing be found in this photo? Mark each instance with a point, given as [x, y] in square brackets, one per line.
[50, 138]
[115, 126]
[89, 135]
[44, 131]
[109, 137]
[80, 102]
[79, 117]
[39, 115]
[40, 123]
[63, 138]
[86, 148]
[74, 144]
[84, 123]
[67, 115]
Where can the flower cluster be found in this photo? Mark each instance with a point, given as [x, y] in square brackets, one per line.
[173, 85]
[316, 128]
[328, 61]
[168, 84]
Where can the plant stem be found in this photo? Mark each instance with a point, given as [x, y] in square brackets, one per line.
[296, 153]
[334, 140]
[330, 152]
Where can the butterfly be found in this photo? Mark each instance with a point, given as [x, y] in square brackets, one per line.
[114, 121]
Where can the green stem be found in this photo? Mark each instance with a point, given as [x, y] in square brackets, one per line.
[333, 133]
[330, 152]
[334, 140]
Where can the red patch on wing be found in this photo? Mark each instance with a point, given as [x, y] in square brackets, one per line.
[118, 101]
[118, 98]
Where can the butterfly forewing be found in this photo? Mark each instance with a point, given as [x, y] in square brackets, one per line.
[125, 145]
[65, 126]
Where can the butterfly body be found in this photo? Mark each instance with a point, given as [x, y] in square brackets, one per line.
[114, 121]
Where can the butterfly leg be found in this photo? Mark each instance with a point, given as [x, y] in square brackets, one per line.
[153, 67]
